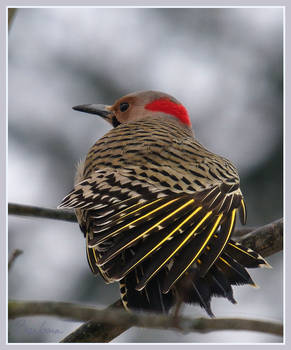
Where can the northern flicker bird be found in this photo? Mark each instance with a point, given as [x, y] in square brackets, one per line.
[158, 209]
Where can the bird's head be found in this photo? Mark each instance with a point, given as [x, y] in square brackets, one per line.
[139, 105]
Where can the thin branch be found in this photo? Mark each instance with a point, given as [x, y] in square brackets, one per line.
[266, 240]
[13, 256]
[120, 317]
[97, 332]
[28, 210]
[11, 15]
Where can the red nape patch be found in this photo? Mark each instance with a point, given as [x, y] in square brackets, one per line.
[167, 106]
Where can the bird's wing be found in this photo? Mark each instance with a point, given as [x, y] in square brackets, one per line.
[133, 222]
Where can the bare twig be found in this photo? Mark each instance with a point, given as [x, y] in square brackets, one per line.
[120, 317]
[13, 256]
[28, 210]
[266, 240]
[11, 15]
[97, 332]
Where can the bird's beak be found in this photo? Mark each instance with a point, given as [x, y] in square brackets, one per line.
[103, 111]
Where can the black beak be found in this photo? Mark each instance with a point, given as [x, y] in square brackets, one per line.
[101, 110]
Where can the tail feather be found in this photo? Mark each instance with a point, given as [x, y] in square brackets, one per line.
[245, 256]
[195, 291]
[192, 288]
[234, 272]
[218, 281]
[150, 298]
[220, 286]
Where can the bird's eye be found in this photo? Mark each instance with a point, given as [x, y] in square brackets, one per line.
[123, 106]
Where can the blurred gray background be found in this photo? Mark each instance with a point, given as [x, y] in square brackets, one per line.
[225, 65]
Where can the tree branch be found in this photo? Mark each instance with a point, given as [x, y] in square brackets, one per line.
[266, 240]
[122, 318]
[13, 256]
[28, 210]
[97, 332]
[11, 14]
